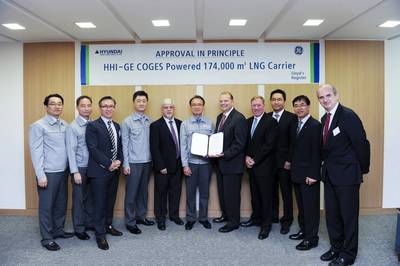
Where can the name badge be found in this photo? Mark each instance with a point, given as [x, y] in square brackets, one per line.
[336, 131]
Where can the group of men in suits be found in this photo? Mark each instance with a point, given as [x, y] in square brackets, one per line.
[279, 149]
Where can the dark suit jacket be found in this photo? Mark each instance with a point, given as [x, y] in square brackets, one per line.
[346, 153]
[282, 148]
[261, 147]
[305, 151]
[99, 146]
[162, 146]
[235, 137]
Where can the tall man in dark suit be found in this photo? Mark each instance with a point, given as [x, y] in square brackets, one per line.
[260, 161]
[165, 151]
[345, 155]
[103, 139]
[282, 178]
[230, 163]
[305, 166]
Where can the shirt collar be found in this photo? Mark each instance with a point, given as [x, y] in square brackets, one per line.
[333, 111]
[105, 120]
[81, 121]
[52, 120]
[136, 116]
[259, 117]
[227, 113]
[167, 120]
[194, 118]
[304, 120]
[279, 113]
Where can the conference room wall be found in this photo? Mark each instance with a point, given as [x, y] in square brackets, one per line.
[49, 67]
[12, 189]
[391, 167]
[356, 68]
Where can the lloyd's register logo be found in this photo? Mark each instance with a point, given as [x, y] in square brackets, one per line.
[298, 50]
[108, 52]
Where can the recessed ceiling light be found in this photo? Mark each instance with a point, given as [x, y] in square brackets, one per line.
[313, 22]
[237, 22]
[13, 26]
[85, 25]
[389, 24]
[160, 22]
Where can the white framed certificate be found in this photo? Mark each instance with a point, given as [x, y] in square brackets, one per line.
[204, 145]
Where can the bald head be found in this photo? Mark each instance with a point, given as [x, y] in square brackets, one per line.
[327, 96]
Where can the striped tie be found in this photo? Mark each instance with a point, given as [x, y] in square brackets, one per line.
[112, 139]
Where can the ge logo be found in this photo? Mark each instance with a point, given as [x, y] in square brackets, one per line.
[298, 50]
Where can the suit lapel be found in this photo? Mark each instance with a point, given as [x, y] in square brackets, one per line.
[334, 125]
[259, 124]
[229, 119]
[165, 128]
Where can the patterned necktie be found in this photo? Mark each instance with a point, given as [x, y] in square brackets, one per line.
[276, 115]
[221, 123]
[326, 127]
[253, 126]
[112, 139]
[171, 127]
[299, 127]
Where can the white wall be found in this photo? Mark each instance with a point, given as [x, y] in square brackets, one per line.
[12, 181]
[391, 166]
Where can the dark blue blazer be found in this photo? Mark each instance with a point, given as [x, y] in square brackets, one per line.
[235, 138]
[305, 151]
[346, 153]
[282, 148]
[99, 147]
[162, 146]
[261, 147]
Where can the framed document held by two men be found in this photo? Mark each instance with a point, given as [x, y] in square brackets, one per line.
[205, 145]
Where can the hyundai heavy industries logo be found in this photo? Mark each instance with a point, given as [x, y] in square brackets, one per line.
[109, 52]
[298, 50]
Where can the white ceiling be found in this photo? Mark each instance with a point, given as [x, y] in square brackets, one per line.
[197, 20]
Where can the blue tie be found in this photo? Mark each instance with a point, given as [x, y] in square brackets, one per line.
[253, 126]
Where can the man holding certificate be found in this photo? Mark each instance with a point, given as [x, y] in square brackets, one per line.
[230, 163]
[196, 168]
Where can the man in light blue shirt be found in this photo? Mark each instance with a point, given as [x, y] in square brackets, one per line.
[135, 133]
[197, 169]
[49, 159]
[78, 156]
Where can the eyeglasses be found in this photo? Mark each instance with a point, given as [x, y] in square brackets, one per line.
[300, 105]
[107, 106]
[55, 104]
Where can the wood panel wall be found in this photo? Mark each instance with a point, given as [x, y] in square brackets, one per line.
[355, 67]
[48, 68]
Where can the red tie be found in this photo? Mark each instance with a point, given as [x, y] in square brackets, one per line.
[221, 123]
[326, 127]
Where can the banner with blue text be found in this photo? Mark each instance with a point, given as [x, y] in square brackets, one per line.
[198, 64]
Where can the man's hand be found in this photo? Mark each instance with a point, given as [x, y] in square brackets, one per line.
[249, 162]
[286, 165]
[310, 181]
[114, 165]
[163, 171]
[127, 170]
[42, 182]
[187, 171]
[77, 178]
